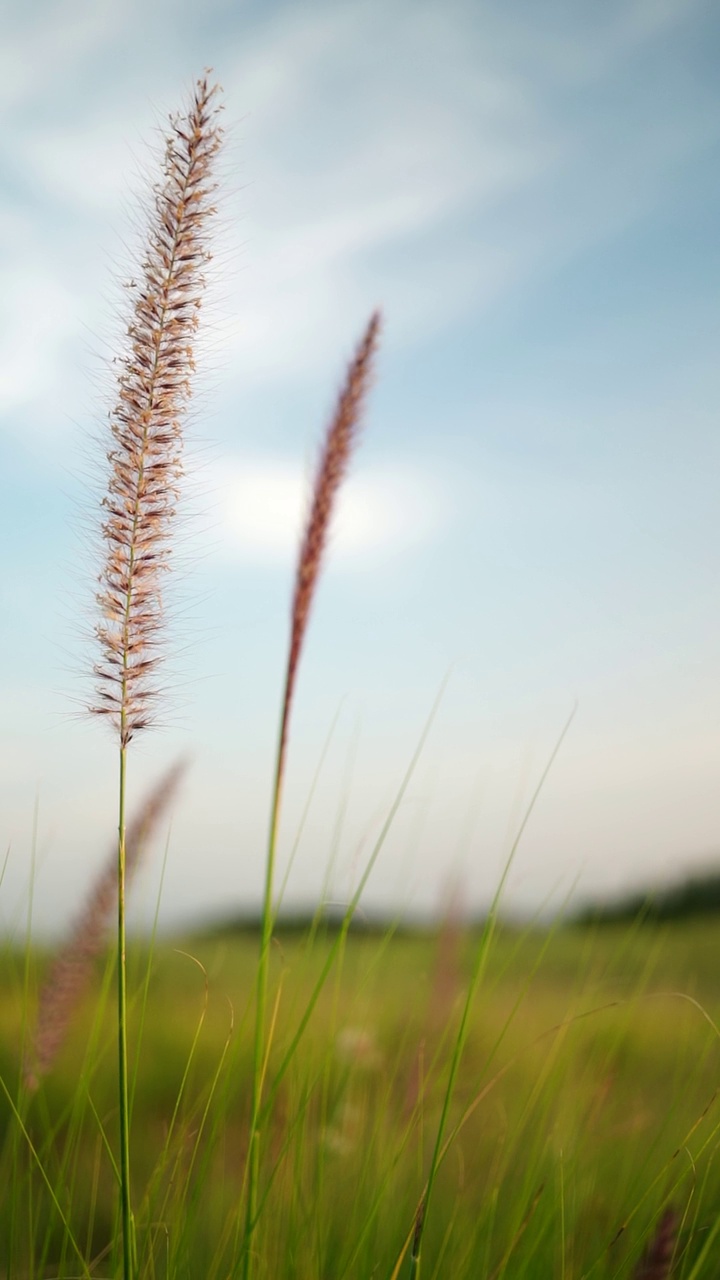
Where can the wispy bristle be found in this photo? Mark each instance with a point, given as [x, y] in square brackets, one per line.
[154, 388]
[339, 440]
[656, 1262]
[72, 968]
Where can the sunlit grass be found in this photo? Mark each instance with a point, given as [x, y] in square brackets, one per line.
[592, 1056]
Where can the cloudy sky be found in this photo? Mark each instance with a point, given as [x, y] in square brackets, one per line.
[532, 195]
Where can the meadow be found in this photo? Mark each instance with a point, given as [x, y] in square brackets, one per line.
[585, 1107]
[326, 1102]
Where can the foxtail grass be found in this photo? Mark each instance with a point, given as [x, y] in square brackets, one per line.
[335, 1175]
[656, 1262]
[145, 469]
[72, 968]
[340, 440]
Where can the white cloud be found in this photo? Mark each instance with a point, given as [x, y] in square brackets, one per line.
[40, 48]
[429, 171]
[262, 504]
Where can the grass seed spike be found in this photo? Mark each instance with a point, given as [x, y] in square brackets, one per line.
[145, 468]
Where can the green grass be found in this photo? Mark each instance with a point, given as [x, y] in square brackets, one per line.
[330, 1106]
[585, 1097]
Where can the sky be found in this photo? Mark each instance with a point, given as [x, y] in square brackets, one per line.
[531, 193]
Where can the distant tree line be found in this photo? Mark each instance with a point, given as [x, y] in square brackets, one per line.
[697, 895]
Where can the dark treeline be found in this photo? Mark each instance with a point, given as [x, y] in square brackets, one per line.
[697, 895]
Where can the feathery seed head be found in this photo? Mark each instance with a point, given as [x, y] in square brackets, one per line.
[334, 457]
[656, 1262]
[145, 457]
[72, 968]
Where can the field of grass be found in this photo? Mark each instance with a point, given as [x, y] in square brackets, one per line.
[585, 1104]
[328, 1104]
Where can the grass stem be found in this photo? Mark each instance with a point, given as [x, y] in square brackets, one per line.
[475, 980]
[128, 1226]
[334, 458]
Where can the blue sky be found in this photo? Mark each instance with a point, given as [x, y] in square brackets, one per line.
[532, 195]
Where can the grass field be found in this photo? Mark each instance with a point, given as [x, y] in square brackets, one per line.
[585, 1099]
[327, 1103]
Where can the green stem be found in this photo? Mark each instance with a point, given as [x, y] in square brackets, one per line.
[125, 1209]
[253, 1178]
[261, 1110]
[475, 980]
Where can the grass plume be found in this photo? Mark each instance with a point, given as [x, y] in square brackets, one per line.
[145, 463]
[334, 458]
[153, 390]
[656, 1262]
[71, 971]
[340, 438]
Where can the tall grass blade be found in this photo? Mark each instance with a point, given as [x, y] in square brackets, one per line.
[476, 977]
[145, 468]
[339, 441]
